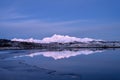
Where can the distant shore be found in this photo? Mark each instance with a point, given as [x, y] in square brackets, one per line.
[17, 45]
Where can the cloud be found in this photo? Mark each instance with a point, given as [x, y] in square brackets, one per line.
[39, 23]
[10, 13]
[35, 27]
[11, 16]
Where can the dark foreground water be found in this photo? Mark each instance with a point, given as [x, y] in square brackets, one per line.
[84, 64]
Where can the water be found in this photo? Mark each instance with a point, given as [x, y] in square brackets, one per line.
[86, 64]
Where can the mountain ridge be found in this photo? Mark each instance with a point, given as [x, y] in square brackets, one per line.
[9, 44]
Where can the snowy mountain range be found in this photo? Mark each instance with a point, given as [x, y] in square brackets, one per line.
[57, 42]
[57, 38]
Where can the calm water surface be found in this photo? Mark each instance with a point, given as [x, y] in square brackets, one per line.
[88, 64]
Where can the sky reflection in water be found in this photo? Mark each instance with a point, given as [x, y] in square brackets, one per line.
[89, 64]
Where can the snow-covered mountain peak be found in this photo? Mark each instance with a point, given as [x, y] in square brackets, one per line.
[57, 38]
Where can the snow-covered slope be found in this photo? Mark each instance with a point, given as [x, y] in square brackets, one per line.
[57, 38]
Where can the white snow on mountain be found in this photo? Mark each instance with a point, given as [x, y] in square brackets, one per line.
[57, 38]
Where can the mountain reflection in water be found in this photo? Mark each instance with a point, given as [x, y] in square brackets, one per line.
[57, 64]
[61, 54]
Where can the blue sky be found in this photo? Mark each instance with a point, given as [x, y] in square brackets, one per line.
[40, 18]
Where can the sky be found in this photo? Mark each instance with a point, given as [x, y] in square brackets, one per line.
[99, 19]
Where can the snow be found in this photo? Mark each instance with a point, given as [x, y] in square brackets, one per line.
[57, 38]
